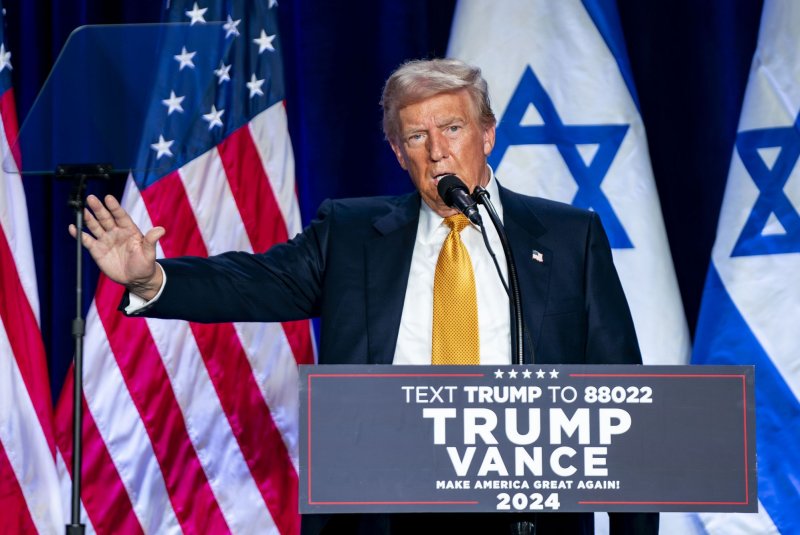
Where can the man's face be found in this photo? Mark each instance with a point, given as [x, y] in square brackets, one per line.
[442, 136]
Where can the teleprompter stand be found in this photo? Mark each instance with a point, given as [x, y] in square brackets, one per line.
[93, 108]
[78, 175]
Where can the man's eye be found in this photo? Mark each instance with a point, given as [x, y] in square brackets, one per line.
[452, 129]
[415, 139]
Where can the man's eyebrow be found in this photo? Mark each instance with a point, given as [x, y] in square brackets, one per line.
[450, 120]
[412, 129]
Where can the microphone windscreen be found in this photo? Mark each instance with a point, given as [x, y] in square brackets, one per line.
[447, 184]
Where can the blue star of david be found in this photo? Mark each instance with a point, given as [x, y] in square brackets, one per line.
[771, 198]
[566, 138]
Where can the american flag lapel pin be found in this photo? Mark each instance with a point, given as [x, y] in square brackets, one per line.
[537, 255]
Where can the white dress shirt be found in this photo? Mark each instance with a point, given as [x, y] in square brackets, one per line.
[494, 316]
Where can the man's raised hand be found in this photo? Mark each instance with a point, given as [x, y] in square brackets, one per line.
[119, 248]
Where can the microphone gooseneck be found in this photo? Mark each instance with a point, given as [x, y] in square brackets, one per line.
[515, 297]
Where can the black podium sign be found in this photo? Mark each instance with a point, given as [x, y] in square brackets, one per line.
[527, 438]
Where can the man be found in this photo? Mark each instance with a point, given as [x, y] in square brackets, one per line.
[373, 270]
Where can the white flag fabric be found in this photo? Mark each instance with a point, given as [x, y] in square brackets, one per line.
[751, 303]
[29, 490]
[193, 427]
[569, 130]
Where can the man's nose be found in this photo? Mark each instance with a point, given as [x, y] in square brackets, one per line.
[438, 148]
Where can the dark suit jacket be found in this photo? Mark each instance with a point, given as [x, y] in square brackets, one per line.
[351, 265]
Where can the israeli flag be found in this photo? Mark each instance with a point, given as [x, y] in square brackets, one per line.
[569, 129]
[751, 306]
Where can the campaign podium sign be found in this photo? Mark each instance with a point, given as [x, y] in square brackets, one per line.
[527, 438]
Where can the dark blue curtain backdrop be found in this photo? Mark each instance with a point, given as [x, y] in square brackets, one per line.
[690, 62]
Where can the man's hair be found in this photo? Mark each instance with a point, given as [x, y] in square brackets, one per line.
[416, 80]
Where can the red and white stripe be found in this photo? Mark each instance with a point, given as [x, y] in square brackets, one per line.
[193, 427]
[29, 487]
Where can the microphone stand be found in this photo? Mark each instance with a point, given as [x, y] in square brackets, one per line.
[481, 196]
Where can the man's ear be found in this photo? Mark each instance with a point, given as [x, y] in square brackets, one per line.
[488, 139]
[398, 153]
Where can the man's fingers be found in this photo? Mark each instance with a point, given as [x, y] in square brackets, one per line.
[101, 214]
[91, 223]
[86, 240]
[154, 234]
[120, 215]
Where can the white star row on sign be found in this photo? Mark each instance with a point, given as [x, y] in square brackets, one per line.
[162, 147]
[185, 58]
[526, 374]
[196, 14]
[173, 103]
[5, 58]
[264, 42]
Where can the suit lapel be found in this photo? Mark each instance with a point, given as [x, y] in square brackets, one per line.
[533, 262]
[388, 264]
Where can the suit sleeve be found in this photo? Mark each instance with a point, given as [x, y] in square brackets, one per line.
[611, 337]
[281, 284]
[611, 340]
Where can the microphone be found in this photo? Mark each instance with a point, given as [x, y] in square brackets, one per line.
[455, 194]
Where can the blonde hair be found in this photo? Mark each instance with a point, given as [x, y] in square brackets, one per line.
[417, 80]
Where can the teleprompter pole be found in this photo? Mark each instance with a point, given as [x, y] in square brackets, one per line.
[78, 175]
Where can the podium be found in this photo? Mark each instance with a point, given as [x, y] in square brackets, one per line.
[537, 438]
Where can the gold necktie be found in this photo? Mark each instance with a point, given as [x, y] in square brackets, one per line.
[455, 305]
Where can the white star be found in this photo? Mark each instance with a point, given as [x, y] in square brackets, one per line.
[230, 27]
[214, 117]
[173, 103]
[224, 72]
[185, 58]
[196, 14]
[512, 374]
[540, 374]
[5, 58]
[264, 42]
[254, 86]
[272, 3]
[162, 147]
[526, 374]
[553, 374]
[498, 374]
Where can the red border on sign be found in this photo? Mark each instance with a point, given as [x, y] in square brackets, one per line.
[585, 375]
[361, 375]
[683, 376]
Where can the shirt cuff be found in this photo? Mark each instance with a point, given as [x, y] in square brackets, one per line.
[137, 304]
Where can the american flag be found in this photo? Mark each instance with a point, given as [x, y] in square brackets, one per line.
[29, 491]
[191, 427]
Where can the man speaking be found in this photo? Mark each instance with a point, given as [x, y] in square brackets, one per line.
[408, 279]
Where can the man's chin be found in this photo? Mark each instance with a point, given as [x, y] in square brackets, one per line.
[444, 210]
